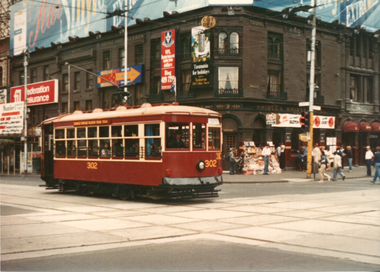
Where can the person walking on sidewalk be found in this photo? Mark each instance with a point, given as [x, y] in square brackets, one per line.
[338, 167]
[232, 160]
[376, 165]
[266, 154]
[368, 160]
[349, 157]
[323, 165]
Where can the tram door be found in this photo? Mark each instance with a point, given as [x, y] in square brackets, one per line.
[48, 152]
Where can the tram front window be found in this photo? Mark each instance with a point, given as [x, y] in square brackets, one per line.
[199, 136]
[214, 138]
[177, 135]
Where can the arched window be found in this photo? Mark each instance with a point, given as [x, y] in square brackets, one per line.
[234, 43]
[222, 42]
[274, 47]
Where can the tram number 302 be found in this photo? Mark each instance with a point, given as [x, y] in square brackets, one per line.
[211, 163]
[92, 165]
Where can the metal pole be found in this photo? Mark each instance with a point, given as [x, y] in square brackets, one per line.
[311, 92]
[69, 90]
[125, 47]
[25, 112]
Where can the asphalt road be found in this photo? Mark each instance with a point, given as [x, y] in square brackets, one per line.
[185, 253]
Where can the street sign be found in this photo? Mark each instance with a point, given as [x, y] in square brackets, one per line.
[304, 137]
[306, 104]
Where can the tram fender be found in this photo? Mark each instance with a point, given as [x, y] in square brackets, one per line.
[193, 181]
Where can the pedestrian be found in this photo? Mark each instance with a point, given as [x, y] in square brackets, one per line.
[376, 165]
[282, 162]
[368, 160]
[316, 153]
[349, 158]
[232, 160]
[278, 153]
[304, 151]
[342, 154]
[323, 165]
[338, 166]
[299, 160]
[328, 155]
[266, 154]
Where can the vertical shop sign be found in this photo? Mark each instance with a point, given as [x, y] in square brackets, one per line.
[201, 58]
[168, 54]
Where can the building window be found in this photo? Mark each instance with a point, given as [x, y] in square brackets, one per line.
[77, 81]
[139, 53]
[228, 80]
[106, 60]
[354, 88]
[46, 73]
[368, 85]
[155, 51]
[317, 52]
[64, 108]
[65, 82]
[275, 47]
[186, 82]
[1, 76]
[88, 105]
[138, 94]
[21, 78]
[76, 105]
[274, 83]
[89, 80]
[33, 76]
[121, 55]
[186, 47]
[156, 86]
[228, 44]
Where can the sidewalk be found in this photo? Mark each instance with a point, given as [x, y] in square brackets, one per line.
[293, 176]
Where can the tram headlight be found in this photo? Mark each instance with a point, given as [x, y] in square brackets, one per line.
[201, 166]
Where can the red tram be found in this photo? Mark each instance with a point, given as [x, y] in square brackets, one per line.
[167, 150]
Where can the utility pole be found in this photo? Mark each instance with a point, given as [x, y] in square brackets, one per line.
[26, 56]
[126, 46]
[69, 90]
[311, 92]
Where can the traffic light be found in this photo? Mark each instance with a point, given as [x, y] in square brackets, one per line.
[305, 120]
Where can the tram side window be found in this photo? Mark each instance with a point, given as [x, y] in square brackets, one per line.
[59, 133]
[132, 148]
[117, 148]
[93, 148]
[60, 149]
[214, 138]
[153, 148]
[82, 148]
[199, 136]
[131, 131]
[152, 130]
[105, 148]
[81, 132]
[104, 132]
[92, 132]
[71, 150]
[70, 133]
[177, 135]
[116, 131]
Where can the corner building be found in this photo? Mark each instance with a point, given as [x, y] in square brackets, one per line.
[258, 65]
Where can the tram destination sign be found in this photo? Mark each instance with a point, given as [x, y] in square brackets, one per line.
[11, 118]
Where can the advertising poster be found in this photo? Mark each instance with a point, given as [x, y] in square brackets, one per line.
[11, 118]
[39, 93]
[168, 58]
[116, 76]
[293, 120]
[201, 57]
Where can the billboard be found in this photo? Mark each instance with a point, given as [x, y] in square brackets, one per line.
[11, 118]
[293, 120]
[36, 23]
[201, 58]
[168, 56]
[116, 76]
[39, 93]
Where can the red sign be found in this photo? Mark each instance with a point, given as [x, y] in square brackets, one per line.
[167, 59]
[38, 93]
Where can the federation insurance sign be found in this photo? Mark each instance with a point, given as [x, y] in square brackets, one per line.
[11, 118]
[39, 93]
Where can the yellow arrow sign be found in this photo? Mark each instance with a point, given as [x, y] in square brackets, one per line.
[132, 74]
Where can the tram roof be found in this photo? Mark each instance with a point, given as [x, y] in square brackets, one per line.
[146, 110]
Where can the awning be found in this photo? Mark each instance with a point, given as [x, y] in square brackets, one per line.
[350, 126]
[375, 127]
[365, 127]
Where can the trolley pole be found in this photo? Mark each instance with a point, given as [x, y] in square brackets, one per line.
[26, 56]
[311, 92]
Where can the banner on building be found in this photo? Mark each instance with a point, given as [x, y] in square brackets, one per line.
[11, 118]
[201, 58]
[39, 93]
[168, 58]
[116, 76]
[3, 96]
[293, 120]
